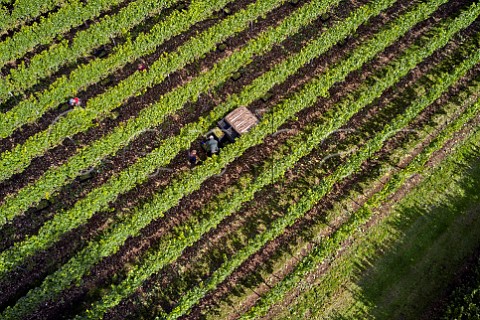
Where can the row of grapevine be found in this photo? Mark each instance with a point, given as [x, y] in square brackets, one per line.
[53, 233]
[80, 119]
[311, 262]
[154, 115]
[331, 244]
[67, 17]
[49, 61]
[171, 195]
[24, 11]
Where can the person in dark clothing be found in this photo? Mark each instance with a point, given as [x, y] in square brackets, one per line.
[192, 157]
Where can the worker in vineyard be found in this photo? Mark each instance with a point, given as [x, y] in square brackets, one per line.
[74, 102]
[192, 157]
[142, 67]
[212, 146]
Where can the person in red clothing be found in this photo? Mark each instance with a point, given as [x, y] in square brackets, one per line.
[74, 102]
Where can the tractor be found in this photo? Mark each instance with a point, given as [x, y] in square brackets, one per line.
[236, 123]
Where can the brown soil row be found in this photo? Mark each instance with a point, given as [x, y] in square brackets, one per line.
[302, 227]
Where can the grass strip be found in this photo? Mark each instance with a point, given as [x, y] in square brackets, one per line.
[49, 61]
[173, 101]
[439, 181]
[367, 245]
[404, 296]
